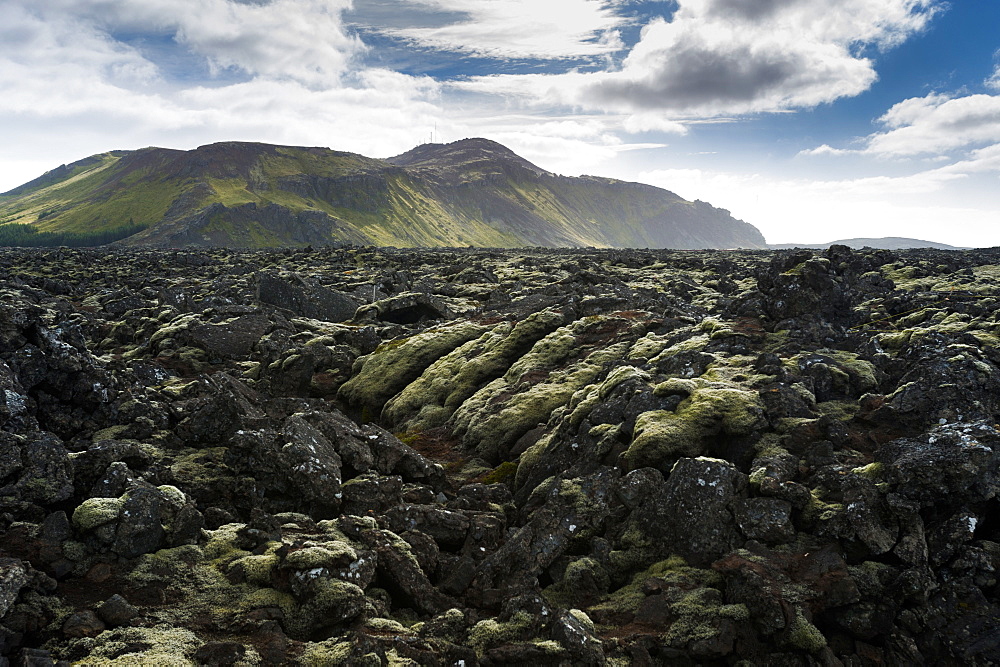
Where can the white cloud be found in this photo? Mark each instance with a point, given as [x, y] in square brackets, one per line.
[718, 57]
[937, 123]
[985, 159]
[993, 81]
[935, 126]
[521, 28]
[652, 122]
[825, 149]
[800, 210]
[299, 39]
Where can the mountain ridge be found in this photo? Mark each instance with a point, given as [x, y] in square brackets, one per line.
[473, 192]
[881, 243]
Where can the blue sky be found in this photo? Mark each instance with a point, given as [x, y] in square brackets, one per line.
[811, 120]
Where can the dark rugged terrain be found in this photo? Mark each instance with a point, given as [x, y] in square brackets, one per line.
[473, 192]
[499, 457]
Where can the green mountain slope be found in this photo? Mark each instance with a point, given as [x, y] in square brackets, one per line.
[471, 192]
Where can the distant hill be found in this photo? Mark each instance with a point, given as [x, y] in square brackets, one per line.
[472, 192]
[884, 243]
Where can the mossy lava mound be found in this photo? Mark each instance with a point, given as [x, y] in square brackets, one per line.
[499, 457]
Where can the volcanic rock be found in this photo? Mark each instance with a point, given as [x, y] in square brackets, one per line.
[499, 456]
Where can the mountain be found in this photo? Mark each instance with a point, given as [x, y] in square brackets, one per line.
[471, 192]
[884, 243]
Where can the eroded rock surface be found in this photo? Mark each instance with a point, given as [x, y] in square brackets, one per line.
[499, 457]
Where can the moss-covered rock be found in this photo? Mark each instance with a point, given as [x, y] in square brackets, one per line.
[432, 398]
[394, 365]
[491, 632]
[95, 512]
[160, 645]
[505, 409]
[661, 437]
[803, 635]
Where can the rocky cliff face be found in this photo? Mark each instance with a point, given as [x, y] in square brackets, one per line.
[470, 193]
[370, 456]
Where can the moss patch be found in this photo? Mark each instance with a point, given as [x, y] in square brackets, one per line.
[432, 398]
[489, 633]
[661, 437]
[95, 512]
[396, 364]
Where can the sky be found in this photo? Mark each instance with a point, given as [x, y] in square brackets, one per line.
[812, 120]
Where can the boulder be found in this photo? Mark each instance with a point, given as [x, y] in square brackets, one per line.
[293, 293]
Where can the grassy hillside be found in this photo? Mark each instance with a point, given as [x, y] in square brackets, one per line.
[473, 192]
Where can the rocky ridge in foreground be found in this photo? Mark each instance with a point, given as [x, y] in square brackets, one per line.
[364, 456]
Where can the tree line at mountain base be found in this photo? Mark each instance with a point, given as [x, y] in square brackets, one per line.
[25, 235]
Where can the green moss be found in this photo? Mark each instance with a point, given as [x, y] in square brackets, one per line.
[735, 612]
[678, 387]
[549, 352]
[333, 601]
[648, 346]
[734, 370]
[386, 625]
[820, 510]
[259, 569]
[179, 389]
[501, 473]
[584, 620]
[263, 598]
[167, 566]
[634, 537]
[329, 653]
[673, 571]
[661, 437]
[698, 617]
[862, 372]
[839, 410]
[167, 645]
[401, 546]
[695, 343]
[95, 512]
[566, 592]
[873, 470]
[110, 433]
[199, 468]
[389, 369]
[804, 635]
[432, 398]
[489, 633]
[531, 457]
[172, 494]
[501, 412]
[75, 551]
[330, 555]
[222, 542]
[393, 659]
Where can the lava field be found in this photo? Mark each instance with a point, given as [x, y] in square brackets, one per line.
[375, 456]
